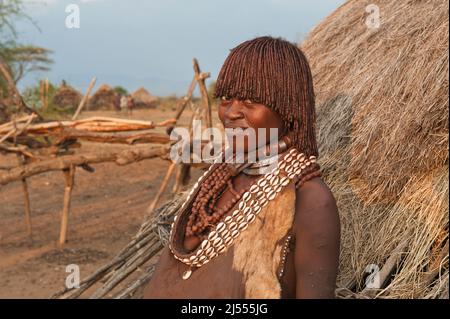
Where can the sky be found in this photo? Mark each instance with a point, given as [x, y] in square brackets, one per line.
[151, 43]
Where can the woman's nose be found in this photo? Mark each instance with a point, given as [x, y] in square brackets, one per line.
[234, 112]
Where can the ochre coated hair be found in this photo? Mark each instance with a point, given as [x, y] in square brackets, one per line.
[276, 73]
[273, 72]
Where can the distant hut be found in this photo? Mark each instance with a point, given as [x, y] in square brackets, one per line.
[66, 97]
[142, 98]
[103, 98]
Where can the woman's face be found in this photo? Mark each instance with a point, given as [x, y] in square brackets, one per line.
[248, 115]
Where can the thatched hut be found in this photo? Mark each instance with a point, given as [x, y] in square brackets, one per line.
[104, 98]
[142, 98]
[66, 97]
[382, 110]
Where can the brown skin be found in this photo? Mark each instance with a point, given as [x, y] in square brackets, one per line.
[311, 268]
[246, 114]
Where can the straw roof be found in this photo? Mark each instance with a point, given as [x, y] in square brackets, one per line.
[103, 98]
[142, 98]
[382, 112]
[67, 96]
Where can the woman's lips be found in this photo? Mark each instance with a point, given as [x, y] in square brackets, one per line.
[236, 125]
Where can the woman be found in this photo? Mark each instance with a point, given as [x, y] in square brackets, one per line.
[246, 231]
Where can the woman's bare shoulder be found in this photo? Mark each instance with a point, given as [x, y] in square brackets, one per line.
[316, 191]
[315, 203]
[317, 245]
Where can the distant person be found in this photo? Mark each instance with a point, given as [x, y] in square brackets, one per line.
[130, 104]
[117, 103]
[123, 103]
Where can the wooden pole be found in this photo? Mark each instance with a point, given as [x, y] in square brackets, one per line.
[203, 92]
[46, 94]
[26, 196]
[387, 269]
[85, 98]
[181, 107]
[27, 207]
[177, 184]
[182, 178]
[92, 124]
[41, 93]
[162, 188]
[68, 183]
[124, 157]
[133, 138]
[22, 161]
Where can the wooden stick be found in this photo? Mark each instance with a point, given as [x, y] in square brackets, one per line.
[130, 266]
[134, 138]
[182, 106]
[41, 93]
[9, 125]
[7, 135]
[162, 188]
[13, 129]
[204, 93]
[119, 157]
[17, 149]
[388, 267]
[186, 98]
[128, 292]
[84, 99]
[177, 184]
[68, 183]
[26, 197]
[27, 206]
[182, 178]
[118, 261]
[93, 124]
[22, 160]
[46, 94]
[141, 246]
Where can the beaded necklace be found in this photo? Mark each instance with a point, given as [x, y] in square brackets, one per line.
[222, 235]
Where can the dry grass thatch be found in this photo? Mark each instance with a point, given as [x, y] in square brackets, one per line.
[103, 98]
[142, 98]
[382, 109]
[67, 97]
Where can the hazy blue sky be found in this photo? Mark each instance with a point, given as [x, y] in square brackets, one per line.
[151, 43]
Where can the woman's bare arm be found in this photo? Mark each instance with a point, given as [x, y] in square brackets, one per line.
[317, 231]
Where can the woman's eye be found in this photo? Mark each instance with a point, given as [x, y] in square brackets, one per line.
[247, 101]
[225, 100]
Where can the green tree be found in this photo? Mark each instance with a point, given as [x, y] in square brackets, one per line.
[21, 58]
[120, 90]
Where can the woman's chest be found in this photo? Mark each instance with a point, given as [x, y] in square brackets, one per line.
[217, 279]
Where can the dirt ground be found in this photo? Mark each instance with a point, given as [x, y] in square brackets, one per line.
[107, 209]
